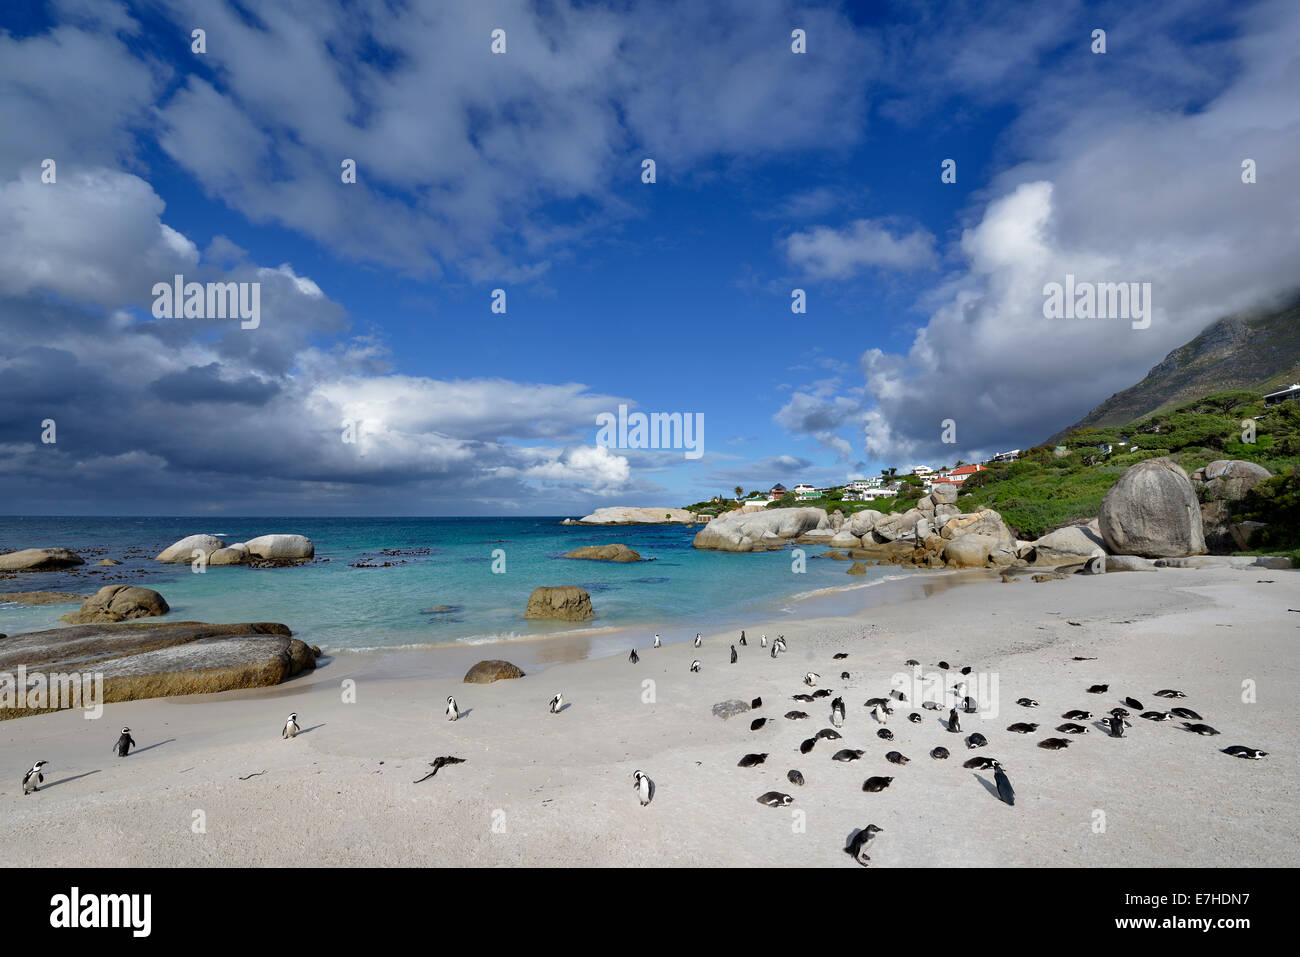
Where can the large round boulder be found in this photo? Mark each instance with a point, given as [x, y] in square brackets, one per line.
[770, 528]
[565, 602]
[984, 522]
[1069, 544]
[236, 554]
[1229, 479]
[118, 603]
[182, 552]
[486, 672]
[861, 523]
[39, 560]
[844, 539]
[943, 493]
[281, 548]
[975, 551]
[1152, 511]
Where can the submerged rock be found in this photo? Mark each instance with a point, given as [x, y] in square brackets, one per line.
[605, 553]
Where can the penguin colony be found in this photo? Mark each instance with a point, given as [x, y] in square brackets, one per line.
[1115, 724]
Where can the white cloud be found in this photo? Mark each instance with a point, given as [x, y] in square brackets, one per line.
[826, 253]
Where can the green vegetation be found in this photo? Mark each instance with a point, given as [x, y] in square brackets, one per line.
[1277, 502]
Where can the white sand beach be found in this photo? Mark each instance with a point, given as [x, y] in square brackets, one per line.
[540, 789]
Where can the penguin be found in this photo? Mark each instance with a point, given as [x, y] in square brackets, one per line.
[557, 703]
[752, 760]
[1027, 702]
[895, 757]
[1098, 689]
[734, 657]
[33, 779]
[1116, 725]
[796, 715]
[290, 726]
[844, 676]
[859, 841]
[644, 787]
[846, 754]
[453, 711]
[912, 663]
[839, 656]
[698, 640]
[976, 740]
[633, 657]
[939, 754]
[968, 705]
[757, 723]
[756, 703]
[931, 706]
[830, 734]
[981, 764]
[837, 712]
[872, 702]
[898, 696]
[1203, 729]
[124, 743]
[878, 712]
[695, 665]
[1053, 744]
[1077, 715]
[914, 718]
[1157, 715]
[807, 745]
[874, 784]
[657, 642]
[1121, 713]
[743, 642]
[805, 698]
[1006, 793]
[885, 734]
[810, 679]
[780, 643]
[775, 649]
[1069, 728]
[943, 666]
[966, 670]
[1241, 751]
[1022, 727]
[1185, 713]
[775, 799]
[762, 641]
[827, 692]
[954, 724]
[1133, 703]
[794, 777]
[1169, 693]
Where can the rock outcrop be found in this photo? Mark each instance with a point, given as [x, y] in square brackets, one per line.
[857, 568]
[1068, 544]
[1152, 511]
[156, 659]
[41, 597]
[1218, 485]
[281, 548]
[182, 552]
[39, 560]
[605, 553]
[564, 602]
[770, 528]
[626, 515]
[118, 603]
[486, 672]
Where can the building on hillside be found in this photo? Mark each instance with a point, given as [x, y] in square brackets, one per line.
[920, 471]
[1281, 395]
[803, 493]
[958, 475]
[1012, 456]
[777, 490]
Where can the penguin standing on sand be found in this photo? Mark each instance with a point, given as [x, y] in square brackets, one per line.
[33, 779]
[762, 641]
[290, 726]
[643, 787]
[698, 640]
[860, 841]
[633, 657]
[1116, 726]
[837, 712]
[453, 710]
[734, 657]
[695, 666]
[742, 638]
[1005, 791]
[557, 703]
[124, 743]
[657, 641]
[954, 724]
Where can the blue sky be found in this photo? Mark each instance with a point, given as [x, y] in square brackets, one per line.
[522, 171]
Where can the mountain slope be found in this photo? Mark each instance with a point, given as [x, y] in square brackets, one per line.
[1260, 352]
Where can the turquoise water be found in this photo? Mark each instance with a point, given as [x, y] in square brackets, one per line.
[446, 562]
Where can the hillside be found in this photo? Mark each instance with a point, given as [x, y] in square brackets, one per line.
[1259, 352]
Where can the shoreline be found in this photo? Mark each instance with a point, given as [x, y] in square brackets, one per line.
[560, 785]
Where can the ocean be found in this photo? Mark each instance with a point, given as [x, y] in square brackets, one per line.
[440, 588]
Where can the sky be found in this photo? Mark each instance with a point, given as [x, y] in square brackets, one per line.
[379, 380]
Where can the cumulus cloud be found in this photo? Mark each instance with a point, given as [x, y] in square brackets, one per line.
[826, 253]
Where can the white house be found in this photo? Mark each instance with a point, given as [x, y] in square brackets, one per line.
[804, 492]
[920, 471]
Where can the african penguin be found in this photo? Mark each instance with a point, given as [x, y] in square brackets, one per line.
[633, 657]
[698, 640]
[1005, 792]
[859, 841]
[644, 787]
[794, 777]
[695, 665]
[453, 710]
[837, 712]
[954, 724]
[657, 642]
[124, 743]
[775, 799]
[290, 726]
[734, 657]
[1241, 751]
[557, 703]
[33, 779]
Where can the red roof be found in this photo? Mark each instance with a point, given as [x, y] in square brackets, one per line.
[966, 470]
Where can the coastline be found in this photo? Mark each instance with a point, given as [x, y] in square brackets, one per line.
[537, 788]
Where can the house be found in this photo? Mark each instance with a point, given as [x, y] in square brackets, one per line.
[777, 490]
[1281, 395]
[803, 493]
[922, 470]
[958, 475]
[1012, 456]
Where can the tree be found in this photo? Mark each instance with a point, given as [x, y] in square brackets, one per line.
[740, 492]
[892, 471]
